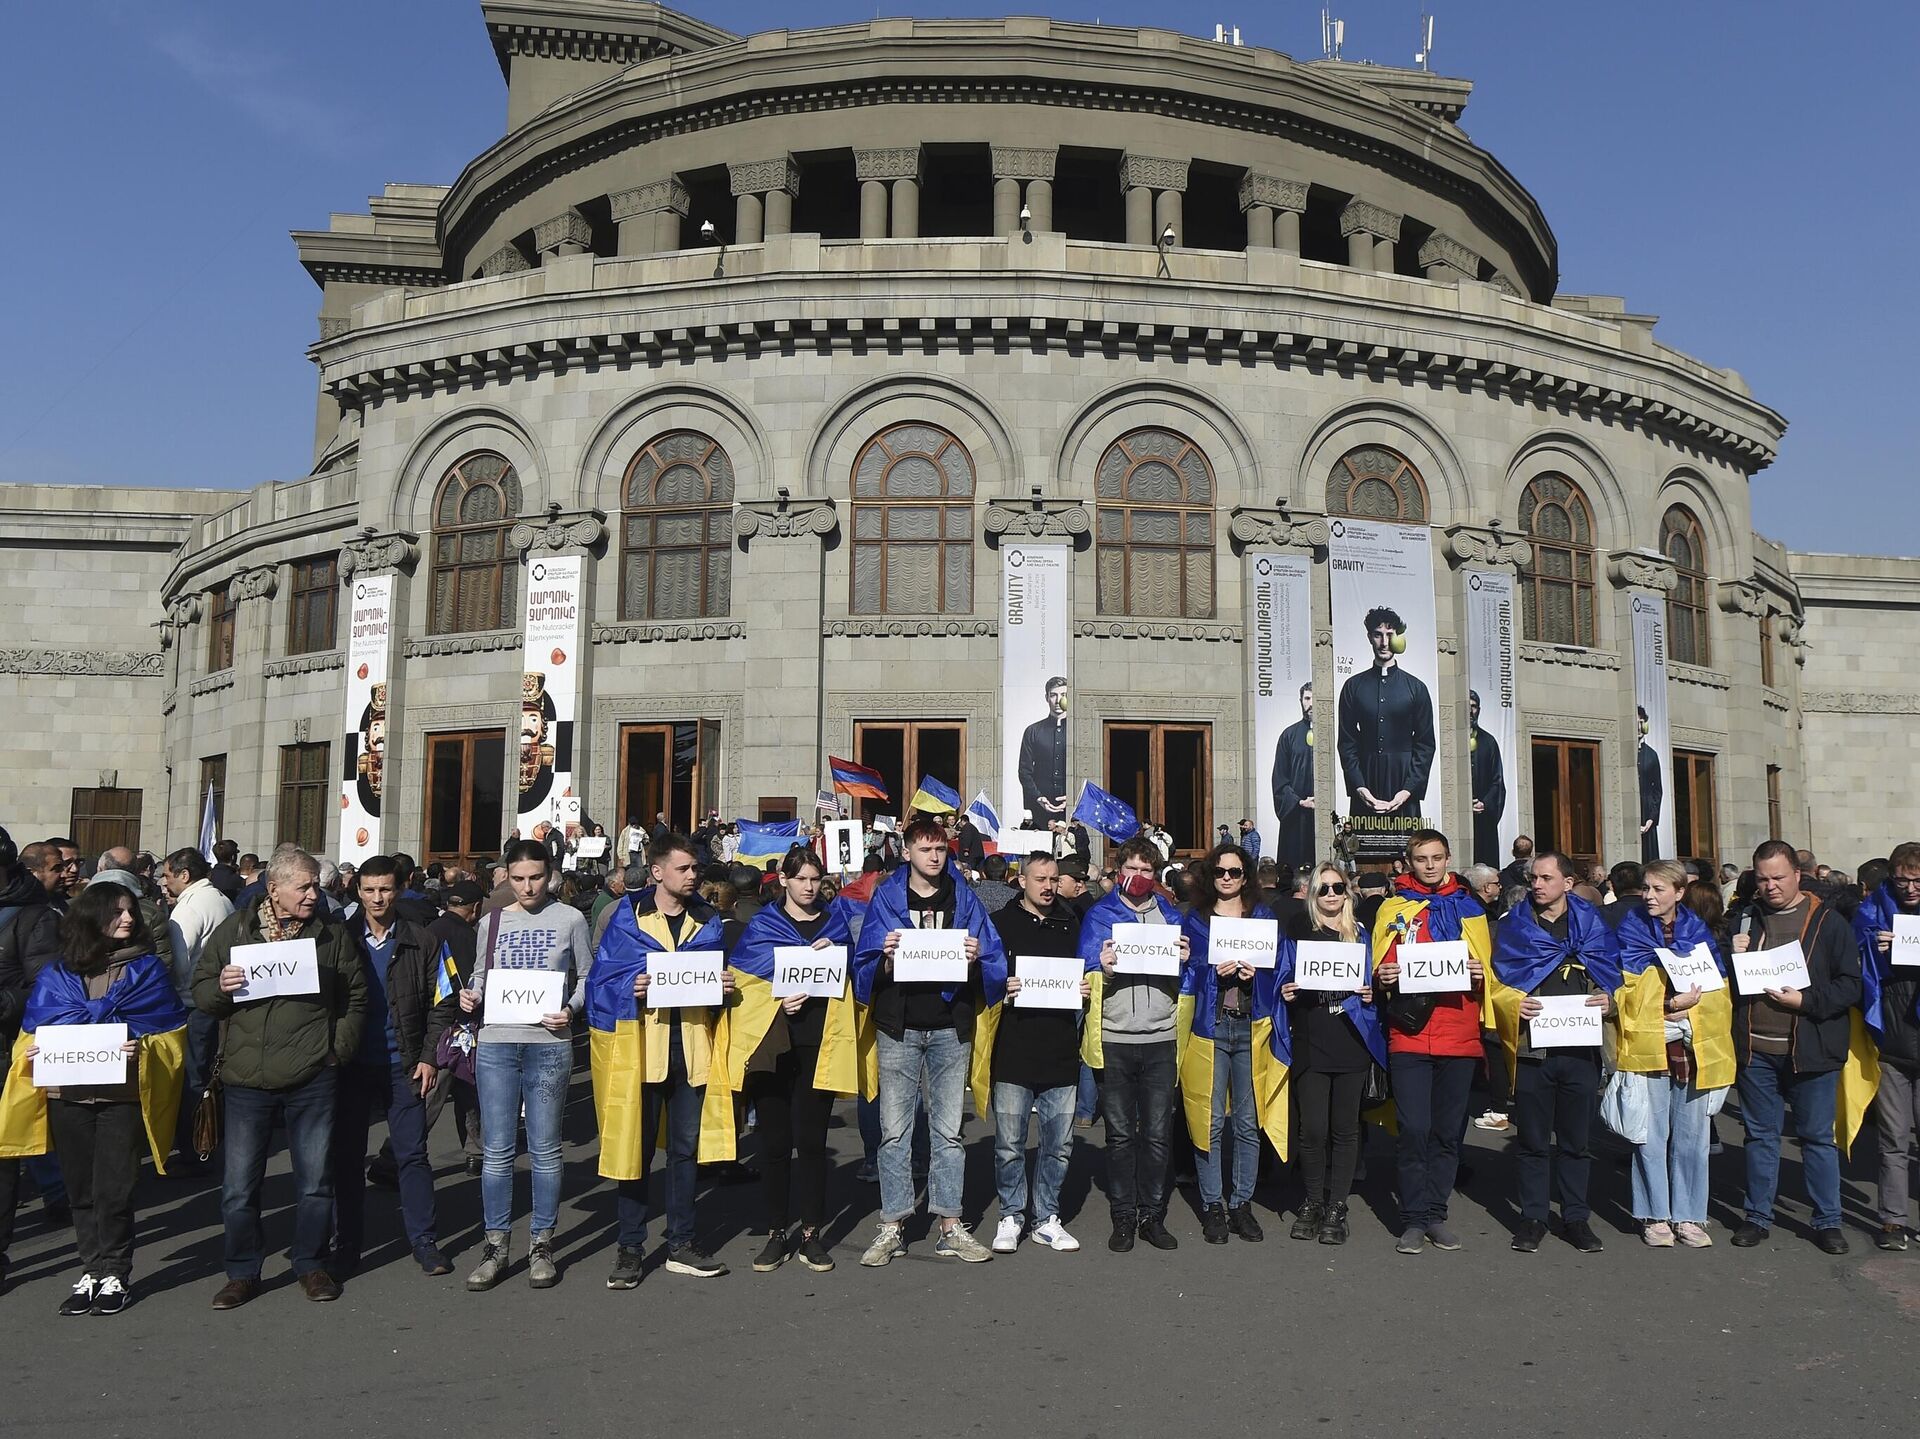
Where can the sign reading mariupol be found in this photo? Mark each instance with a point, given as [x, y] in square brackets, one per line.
[79, 1054]
[1243, 941]
[1906, 939]
[683, 978]
[1757, 971]
[1565, 1021]
[1437, 967]
[524, 996]
[1048, 983]
[1330, 965]
[818, 973]
[931, 956]
[284, 968]
[1696, 966]
[1146, 949]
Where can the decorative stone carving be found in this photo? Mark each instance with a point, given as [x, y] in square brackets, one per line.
[1505, 285]
[854, 627]
[507, 260]
[1447, 645]
[183, 610]
[1015, 162]
[784, 518]
[1486, 545]
[1696, 675]
[207, 684]
[255, 584]
[1570, 655]
[332, 327]
[648, 199]
[302, 730]
[1158, 630]
[640, 634]
[1742, 597]
[1273, 192]
[1037, 517]
[1376, 221]
[1323, 639]
[1277, 528]
[1155, 172]
[898, 163]
[763, 177]
[1645, 569]
[119, 663]
[557, 531]
[479, 642]
[569, 227]
[304, 664]
[370, 552]
[1445, 251]
[1859, 702]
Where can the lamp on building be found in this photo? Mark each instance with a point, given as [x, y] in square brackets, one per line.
[1166, 239]
[707, 232]
[1026, 225]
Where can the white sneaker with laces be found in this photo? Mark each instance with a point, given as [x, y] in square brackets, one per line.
[886, 1245]
[1054, 1235]
[1006, 1239]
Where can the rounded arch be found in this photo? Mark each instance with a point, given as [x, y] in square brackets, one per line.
[1556, 452]
[441, 447]
[1361, 423]
[845, 429]
[1155, 404]
[1692, 490]
[641, 419]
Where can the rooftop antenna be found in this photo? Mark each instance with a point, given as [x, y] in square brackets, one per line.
[1423, 57]
[1333, 34]
[1226, 35]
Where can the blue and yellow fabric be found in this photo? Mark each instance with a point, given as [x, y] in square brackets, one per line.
[1364, 1015]
[1860, 1075]
[1524, 954]
[1095, 930]
[846, 1065]
[143, 999]
[1271, 1044]
[628, 1043]
[1433, 916]
[1642, 1000]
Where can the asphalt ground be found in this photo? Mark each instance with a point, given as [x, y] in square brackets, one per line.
[1278, 1337]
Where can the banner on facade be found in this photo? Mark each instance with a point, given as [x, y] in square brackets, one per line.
[1493, 728]
[1280, 679]
[1652, 752]
[549, 693]
[1386, 672]
[1035, 605]
[363, 778]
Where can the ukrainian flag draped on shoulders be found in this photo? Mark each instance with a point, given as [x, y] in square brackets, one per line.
[1363, 1015]
[1642, 999]
[1875, 914]
[143, 999]
[1095, 930]
[1420, 915]
[1524, 954]
[845, 1066]
[887, 911]
[628, 1043]
[1272, 1047]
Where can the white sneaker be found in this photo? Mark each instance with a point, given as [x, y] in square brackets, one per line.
[1054, 1235]
[1006, 1239]
[1493, 1120]
[886, 1245]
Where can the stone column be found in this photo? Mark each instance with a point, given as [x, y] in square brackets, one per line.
[1167, 216]
[1023, 174]
[1154, 186]
[565, 234]
[906, 208]
[1371, 233]
[1006, 206]
[1139, 215]
[1273, 208]
[1447, 260]
[649, 216]
[889, 174]
[1487, 547]
[763, 192]
[1040, 202]
[873, 209]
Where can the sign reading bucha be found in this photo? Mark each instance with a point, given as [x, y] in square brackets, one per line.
[1035, 605]
[549, 690]
[79, 1054]
[286, 967]
[1652, 756]
[816, 973]
[1696, 966]
[681, 978]
[1492, 715]
[1280, 677]
[369, 653]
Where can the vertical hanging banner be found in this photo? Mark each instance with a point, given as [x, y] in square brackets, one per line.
[1652, 755]
[549, 693]
[1035, 603]
[369, 652]
[1386, 668]
[1493, 728]
[1280, 678]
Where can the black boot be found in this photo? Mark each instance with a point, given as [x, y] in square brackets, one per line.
[1307, 1226]
[1241, 1220]
[1153, 1229]
[1333, 1228]
[1213, 1224]
[1121, 1240]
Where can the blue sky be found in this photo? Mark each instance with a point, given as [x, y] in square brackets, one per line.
[1743, 170]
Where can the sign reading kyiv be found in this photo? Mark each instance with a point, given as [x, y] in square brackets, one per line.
[524, 996]
[286, 967]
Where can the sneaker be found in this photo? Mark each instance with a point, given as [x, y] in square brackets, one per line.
[957, 1242]
[1213, 1224]
[812, 1253]
[1692, 1236]
[629, 1268]
[1006, 1237]
[1413, 1240]
[110, 1297]
[1580, 1235]
[1153, 1229]
[1306, 1224]
[493, 1265]
[1657, 1233]
[432, 1260]
[80, 1301]
[887, 1244]
[775, 1253]
[1749, 1235]
[695, 1262]
[1526, 1239]
[541, 1272]
[1333, 1225]
[1124, 1228]
[1892, 1238]
[473, 1166]
[1493, 1120]
[1441, 1237]
[1241, 1220]
[1054, 1235]
[867, 1173]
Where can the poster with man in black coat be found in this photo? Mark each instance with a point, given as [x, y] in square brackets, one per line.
[1489, 786]
[1293, 799]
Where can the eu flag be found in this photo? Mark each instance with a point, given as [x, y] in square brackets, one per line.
[1108, 813]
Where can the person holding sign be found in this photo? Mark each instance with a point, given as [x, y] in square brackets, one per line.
[1036, 1060]
[107, 975]
[1433, 1039]
[926, 1037]
[1676, 1039]
[1886, 929]
[521, 1066]
[1802, 1048]
[1217, 1067]
[1131, 1035]
[1329, 1043]
[791, 1055]
[280, 1060]
[1552, 949]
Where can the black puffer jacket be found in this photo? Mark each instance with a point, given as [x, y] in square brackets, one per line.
[29, 941]
[413, 971]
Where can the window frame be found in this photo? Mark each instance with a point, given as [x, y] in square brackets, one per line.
[1536, 585]
[1354, 478]
[213, 768]
[222, 629]
[456, 571]
[885, 504]
[292, 787]
[1688, 597]
[710, 509]
[1185, 511]
[302, 588]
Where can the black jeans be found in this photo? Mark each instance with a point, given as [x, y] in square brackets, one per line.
[1326, 1126]
[1137, 1102]
[99, 1147]
[1554, 1101]
[1430, 1095]
[790, 1116]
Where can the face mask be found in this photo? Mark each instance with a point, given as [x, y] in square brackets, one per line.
[1136, 886]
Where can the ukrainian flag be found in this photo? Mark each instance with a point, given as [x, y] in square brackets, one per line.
[846, 1065]
[934, 797]
[1095, 930]
[1272, 1040]
[1642, 1000]
[1524, 954]
[760, 842]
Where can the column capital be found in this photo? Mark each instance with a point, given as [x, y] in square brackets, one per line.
[557, 531]
[507, 260]
[1488, 544]
[900, 162]
[764, 177]
[254, 584]
[1152, 172]
[648, 199]
[1449, 253]
[372, 550]
[1273, 192]
[182, 610]
[1361, 217]
[1020, 162]
[569, 227]
[1504, 284]
[1743, 597]
[1036, 516]
[1642, 569]
[1277, 527]
[785, 518]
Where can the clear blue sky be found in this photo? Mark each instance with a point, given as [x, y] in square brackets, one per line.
[1743, 170]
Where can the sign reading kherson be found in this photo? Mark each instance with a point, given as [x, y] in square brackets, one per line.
[369, 653]
[1280, 676]
[1254, 942]
[1492, 715]
[549, 689]
[1436, 967]
[79, 1054]
[1652, 755]
[1330, 966]
[684, 977]
[1035, 605]
[1048, 982]
[817, 973]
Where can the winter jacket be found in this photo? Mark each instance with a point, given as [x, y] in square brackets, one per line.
[413, 973]
[29, 942]
[1822, 1026]
[281, 1043]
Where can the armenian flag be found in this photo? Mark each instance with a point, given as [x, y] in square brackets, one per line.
[857, 779]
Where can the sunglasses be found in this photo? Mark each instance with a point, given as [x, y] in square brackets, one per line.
[1332, 889]
[1230, 873]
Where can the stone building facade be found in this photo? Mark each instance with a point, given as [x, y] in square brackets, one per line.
[784, 334]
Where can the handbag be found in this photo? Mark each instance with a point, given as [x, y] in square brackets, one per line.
[206, 1114]
[1379, 1088]
[1624, 1107]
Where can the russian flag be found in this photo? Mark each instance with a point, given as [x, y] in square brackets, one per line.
[856, 779]
[985, 818]
[934, 797]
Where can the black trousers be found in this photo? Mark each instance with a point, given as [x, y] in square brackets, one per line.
[1136, 1099]
[790, 1117]
[99, 1147]
[1326, 1131]
[1555, 1099]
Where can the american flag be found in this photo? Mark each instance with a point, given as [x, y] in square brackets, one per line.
[825, 801]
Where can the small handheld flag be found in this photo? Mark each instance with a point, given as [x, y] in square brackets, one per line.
[207, 835]
[1108, 813]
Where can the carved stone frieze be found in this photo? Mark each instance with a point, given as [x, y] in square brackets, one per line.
[254, 584]
[1860, 702]
[648, 199]
[784, 519]
[569, 227]
[557, 531]
[900, 162]
[121, 663]
[1569, 655]
[371, 553]
[1486, 545]
[1644, 569]
[1446, 251]
[1021, 162]
[1697, 675]
[183, 610]
[1273, 192]
[208, 684]
[1375, 220]
[1155, 172]
[1159, 630]
[763, 177]
[639, 633]
[1036, 518]
[1504, 284]
[332, 327]
[477, 643]
[507, 260]
[857, 627]
[304, 664]
[1253, 526]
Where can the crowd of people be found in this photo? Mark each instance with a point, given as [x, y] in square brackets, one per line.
[1221, 1064]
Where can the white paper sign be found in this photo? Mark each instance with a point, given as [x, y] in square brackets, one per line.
[285, 967]
[1330, 965]
[1437, 967]
[1047, 982]
[1757, 971]
[79, 1054]
[846, 845]
[1017, 844]
[1244, 941]
[687, 977]
[1146, 949]
[1694, 967]
[931, 956]
[1906, 939]
[523, 996]
[593, 846]
[1565, 1021]
[817, 973]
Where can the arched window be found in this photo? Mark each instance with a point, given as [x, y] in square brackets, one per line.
[1154, 527]
[913, 524]
[1683, 542]
[473, 574]
[1558, 581]
[675, 556]
[1375, 483]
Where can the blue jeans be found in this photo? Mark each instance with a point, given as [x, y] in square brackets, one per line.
[929, 1063]
[1768, 1086]
[1670, 1169]
[363, 1088]
[307, 1112]
[508, 1075]
[1086, 1102]
[1011, 1102]
[1430, 1096]
[682, 1102]
[1232, 1075]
